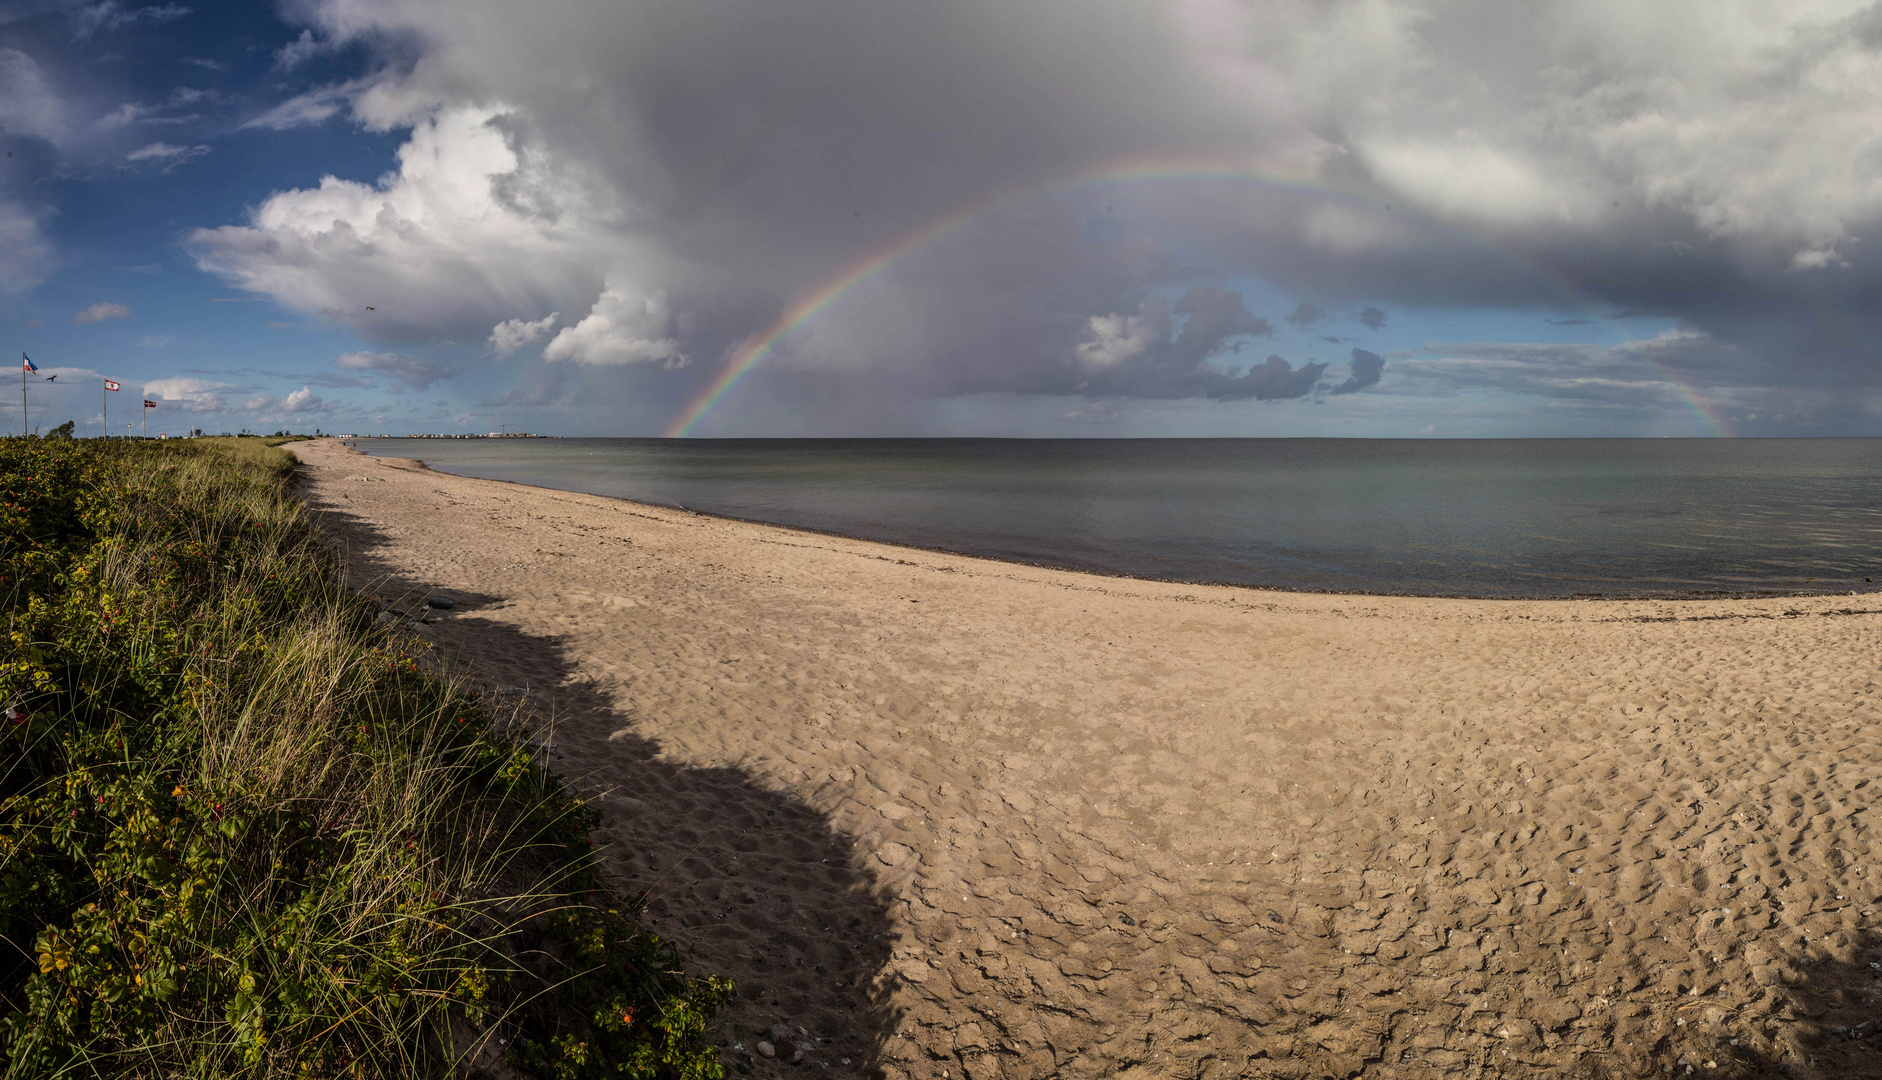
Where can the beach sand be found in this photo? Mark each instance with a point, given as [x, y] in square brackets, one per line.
[948, 817]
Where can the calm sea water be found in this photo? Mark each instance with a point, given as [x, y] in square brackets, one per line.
[1464, 517]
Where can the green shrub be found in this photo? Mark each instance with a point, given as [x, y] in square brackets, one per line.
[244, 833]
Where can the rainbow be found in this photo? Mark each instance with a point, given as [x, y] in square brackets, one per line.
[808, 306]
[1706, 410]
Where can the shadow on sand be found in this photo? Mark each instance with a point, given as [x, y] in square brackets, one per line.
[750, 882]
[1820, 1020]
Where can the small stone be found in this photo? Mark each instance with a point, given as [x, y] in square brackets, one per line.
[441, 601]
[1125, 918]
[798, 1058]
[767, 1049]
[1518, 1031]
[744, 1067]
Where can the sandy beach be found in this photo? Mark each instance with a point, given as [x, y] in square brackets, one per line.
[946, 817]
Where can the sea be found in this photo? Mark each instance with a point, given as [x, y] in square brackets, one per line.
[1486, 518]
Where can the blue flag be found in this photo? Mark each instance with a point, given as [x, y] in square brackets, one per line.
[28, 362]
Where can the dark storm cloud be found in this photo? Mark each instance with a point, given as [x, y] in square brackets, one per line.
[1213, 316]
[1366, 367]
[1144, 355]
[726, 159]
[1306, 315]
[1271, 380]
[669, 176]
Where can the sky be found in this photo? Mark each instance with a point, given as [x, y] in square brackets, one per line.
[1377, 218]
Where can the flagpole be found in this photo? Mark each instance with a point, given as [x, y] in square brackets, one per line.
[104, 398]
[25, 426]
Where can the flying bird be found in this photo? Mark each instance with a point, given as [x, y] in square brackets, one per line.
[49, 378]
[372, 309]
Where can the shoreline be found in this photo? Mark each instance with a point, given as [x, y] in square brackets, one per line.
[955, 816]
[1710, 595]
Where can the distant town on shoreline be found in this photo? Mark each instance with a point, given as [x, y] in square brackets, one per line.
[490, 435]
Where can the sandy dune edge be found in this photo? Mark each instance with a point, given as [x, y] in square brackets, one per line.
[947, 817]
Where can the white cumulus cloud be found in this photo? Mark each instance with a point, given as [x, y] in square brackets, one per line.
[467, 225]
[298, 403]
[1114, 339]
[622, 328]
[512, 334]
[186, 394]
[303, 400]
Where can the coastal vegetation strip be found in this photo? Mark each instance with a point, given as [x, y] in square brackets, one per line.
[245, 831]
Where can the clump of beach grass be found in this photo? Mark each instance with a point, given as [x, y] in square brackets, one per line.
[244, 832]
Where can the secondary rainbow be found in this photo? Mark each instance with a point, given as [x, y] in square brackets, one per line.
[1188, 167]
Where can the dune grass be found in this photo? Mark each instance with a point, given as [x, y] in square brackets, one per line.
[244, 832]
